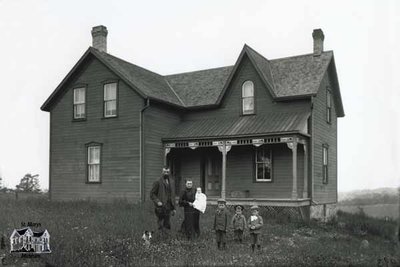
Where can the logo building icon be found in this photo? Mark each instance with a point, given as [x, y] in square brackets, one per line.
[25, 240]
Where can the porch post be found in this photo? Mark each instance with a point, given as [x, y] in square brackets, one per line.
[167, 150]
[293, 147]
[224, 149]
[305, 187]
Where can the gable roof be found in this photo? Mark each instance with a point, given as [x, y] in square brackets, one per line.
[285, 78]
[299, 75]
[199, 88]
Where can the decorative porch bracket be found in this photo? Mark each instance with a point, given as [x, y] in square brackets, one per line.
[224, 149]
[293, 146]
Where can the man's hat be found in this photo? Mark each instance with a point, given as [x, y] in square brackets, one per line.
[221, 200]
[236, 206]
[254, 207]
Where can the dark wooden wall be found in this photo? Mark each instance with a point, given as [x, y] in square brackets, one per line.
[119, 136]
[158, 121]
[324, 133]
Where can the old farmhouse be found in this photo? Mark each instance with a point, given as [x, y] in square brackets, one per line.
[261, 130]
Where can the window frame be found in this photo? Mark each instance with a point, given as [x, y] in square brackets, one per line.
[255, 162]
[76, 87]
[116, 99]
[325, 164]
[328, 105]
[242, 98]
[87, 146]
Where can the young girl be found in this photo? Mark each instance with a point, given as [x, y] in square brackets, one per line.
[255, 222]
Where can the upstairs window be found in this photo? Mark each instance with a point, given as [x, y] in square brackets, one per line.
[325, 164]
[328, 106]
[79, 103]
[248, 98]
[94, 153]
[110, 100]
[263, 164]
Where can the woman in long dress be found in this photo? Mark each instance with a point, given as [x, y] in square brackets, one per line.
[186, 201]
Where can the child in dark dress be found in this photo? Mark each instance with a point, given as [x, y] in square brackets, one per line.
[238, 223]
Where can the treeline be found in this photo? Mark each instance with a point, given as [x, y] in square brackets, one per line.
[372, 199]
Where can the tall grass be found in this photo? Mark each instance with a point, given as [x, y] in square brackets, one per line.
[361, 224]
[86, 233]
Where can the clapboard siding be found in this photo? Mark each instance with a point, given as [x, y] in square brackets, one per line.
[158, 121]
[119, 137]
[231, 103]
[240, 170]
[324, 133]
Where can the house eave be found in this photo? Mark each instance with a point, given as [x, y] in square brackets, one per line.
[166, 139]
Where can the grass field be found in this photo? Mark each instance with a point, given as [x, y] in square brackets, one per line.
[93, 234]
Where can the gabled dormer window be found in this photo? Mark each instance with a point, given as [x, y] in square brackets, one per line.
[80, 103]
[110, 100]
[248, 98]
[328, 106]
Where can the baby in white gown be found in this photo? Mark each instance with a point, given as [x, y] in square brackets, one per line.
[200, 201]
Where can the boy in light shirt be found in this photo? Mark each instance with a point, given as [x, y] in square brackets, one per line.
[255, 223]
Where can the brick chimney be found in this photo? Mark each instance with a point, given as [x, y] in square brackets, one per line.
[318, 36]
[99, 35]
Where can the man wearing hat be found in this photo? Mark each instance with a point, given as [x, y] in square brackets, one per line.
[255, 222]
[238, 223]
[221, 223]
[163, 196]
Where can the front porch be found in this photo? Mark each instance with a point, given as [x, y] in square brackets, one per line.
[230, 169]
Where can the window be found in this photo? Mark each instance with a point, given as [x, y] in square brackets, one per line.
[79, 103]
[325, 164]
[248, 98]
[110, 100]
[328, 106]
[263, 164]
[94, 163]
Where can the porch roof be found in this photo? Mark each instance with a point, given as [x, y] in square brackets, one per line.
[277, 123]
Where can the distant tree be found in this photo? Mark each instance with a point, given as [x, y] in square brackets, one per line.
[29, 183]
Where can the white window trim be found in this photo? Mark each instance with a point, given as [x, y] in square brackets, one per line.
[89, 163]
[252, 111]
[106, 101]
[79, 103]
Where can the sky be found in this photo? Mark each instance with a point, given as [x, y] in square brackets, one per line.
[42, 40]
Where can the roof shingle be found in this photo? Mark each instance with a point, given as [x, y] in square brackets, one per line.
[199, 88]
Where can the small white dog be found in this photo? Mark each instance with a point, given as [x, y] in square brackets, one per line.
[147, 237]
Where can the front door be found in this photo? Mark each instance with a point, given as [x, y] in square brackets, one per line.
[212, 173]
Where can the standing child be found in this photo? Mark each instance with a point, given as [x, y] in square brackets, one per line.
[238, 223]
[220, 223]
[255, 222]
